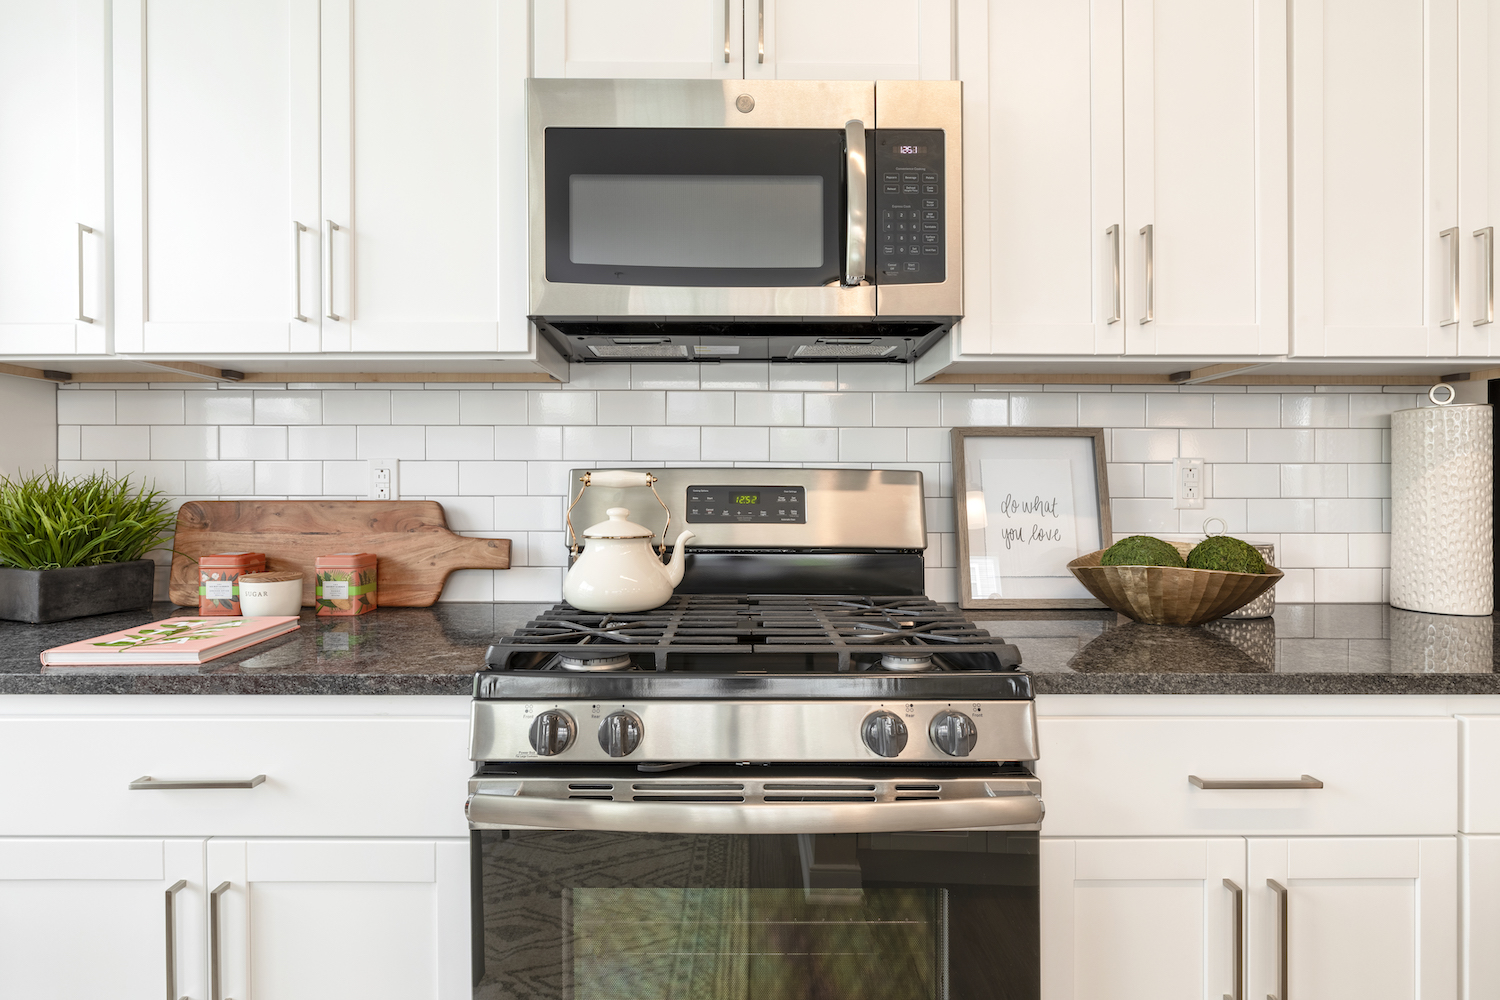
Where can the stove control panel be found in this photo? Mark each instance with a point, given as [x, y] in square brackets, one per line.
[747, 504]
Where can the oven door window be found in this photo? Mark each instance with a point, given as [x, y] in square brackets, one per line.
[694, 207]
[611, 916]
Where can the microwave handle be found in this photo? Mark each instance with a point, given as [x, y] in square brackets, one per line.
[857, 184]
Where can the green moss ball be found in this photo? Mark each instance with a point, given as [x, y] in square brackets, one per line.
[1226, 554]
[1141, 550]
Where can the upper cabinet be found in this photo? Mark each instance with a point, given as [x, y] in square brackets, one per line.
[1126, 179]
[303, 177]
[744, 39]
[1478, 173]
[53, 232]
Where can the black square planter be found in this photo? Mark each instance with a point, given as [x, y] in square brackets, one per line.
[54, 595]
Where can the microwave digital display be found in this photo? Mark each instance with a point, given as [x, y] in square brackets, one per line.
[911, 150]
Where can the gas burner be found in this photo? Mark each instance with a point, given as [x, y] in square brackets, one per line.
[906, 663]
[593, 664]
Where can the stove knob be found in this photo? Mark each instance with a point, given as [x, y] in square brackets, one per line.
[552, 732]
[953, 733]
[620, 733]
[884, 733]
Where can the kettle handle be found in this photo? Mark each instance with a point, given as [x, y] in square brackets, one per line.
[617, 479]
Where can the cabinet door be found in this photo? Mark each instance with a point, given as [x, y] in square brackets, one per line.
[1148, 919]
[1366, 919]
[1478, 173]
[1480, 920]
[424, 174]
[848, 40]
[84, 919]
[1205, 177]
[311, 919]
[1043, 177]
[651, 39]
[216, 163]
[1374, 177]
[52, 101]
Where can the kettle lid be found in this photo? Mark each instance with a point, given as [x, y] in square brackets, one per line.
[617, 526]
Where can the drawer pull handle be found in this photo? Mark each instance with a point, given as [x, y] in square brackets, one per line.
[1306, 781]
[1238, 898]
[145, 781]
[215, 965]
[172, 892]
[1281, 940]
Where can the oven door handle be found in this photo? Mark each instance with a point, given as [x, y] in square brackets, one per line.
[1022, 809]
[857, 185]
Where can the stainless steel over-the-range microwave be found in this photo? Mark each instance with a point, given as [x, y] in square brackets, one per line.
[698, 220]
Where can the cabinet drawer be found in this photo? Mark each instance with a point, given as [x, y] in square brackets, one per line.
[1479, 736]
[1129, 777]
[402, 777]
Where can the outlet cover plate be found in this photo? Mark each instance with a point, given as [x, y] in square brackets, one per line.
[1187, 483]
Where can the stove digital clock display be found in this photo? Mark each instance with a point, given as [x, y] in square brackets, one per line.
[739, 505]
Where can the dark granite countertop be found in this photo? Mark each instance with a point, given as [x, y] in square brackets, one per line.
[1304, 649]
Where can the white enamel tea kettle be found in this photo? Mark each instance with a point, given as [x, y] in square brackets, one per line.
[618, 570]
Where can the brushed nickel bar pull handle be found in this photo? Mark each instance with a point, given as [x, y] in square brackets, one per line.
[1113, 232]
[333, 227]
[147, 783]
[1453, 308]
[1281, 938]
[1306, 781]
[172, 939]
[1149, 232]
[726, 31]
[761, 44]
[215, 965]
[854, 250]
[1239, 941]
[81, 230]
[297, 230]
[1488, 235]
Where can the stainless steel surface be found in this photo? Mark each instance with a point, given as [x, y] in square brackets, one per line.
[726, 30]
[1148, 233]
[1451, 235]
[856, 178]
[333, 227]
[759, 730]
[953, 733]
[1281, 940]
[1238, 902]
[1113, 232]
[753, 805]
[215, 960]
[884, 733]
[551, 733]
[146, 783]
[81, 230]
[172, 892]
[760, 45]
[1487, 277]
[620, 734]
[935, 104]
[846, 508]
[297, 230]
[1306, 781]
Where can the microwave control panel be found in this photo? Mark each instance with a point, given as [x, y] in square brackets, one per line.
[907, 234]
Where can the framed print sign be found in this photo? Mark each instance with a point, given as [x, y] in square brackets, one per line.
[1028, 499]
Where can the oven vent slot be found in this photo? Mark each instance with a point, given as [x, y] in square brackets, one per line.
[686, 786]
[686, 797]
[604, 787]
[819, 798]
[908, 788]
[815, 786]
[601, 798]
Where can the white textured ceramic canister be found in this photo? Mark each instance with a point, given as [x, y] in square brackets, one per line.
[1442, 496]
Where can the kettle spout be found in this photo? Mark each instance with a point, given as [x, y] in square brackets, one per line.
[675, 567]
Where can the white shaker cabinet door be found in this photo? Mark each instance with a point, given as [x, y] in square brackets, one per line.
[1205, 177]
[312, 919]
[82, 919]
[1141, 919]
[649, 39]
[1478, 174]
[1374, 177]
[52, 170]
[215, 170]
[848, 39]
[1364, 918]
[424, 175]
[1480, 921]
[1043, 177]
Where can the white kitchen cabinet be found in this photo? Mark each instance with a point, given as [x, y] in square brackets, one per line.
[1479, 919]
[1375, 177]
[1478, 173]
[52, 178]
[308, 919]
[650, 39]
[848, 39]
[1147, 919]
[88, 918]
[1367, 918]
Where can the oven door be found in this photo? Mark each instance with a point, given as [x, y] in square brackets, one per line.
[699, 198]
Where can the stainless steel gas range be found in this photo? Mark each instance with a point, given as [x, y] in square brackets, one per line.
[816, 787]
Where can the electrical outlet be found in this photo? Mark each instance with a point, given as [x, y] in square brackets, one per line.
[383, 479]
[1187, 483]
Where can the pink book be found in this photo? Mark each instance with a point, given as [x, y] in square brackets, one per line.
[171, 640]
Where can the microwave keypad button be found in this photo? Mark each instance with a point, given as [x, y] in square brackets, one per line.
[931, 250]
[928, 189]
[929, 203]
[888, 249]
[891, 178]
[912, 265]
[929, 178]
[893, 189]
[929, 237]
[929, 226]
[909, 178]
[926, 216]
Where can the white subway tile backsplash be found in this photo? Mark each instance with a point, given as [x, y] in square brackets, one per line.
[1312, 550]
[1375, 409]
[1133, 516]
[1194, 521]
[1279, 515]
[347, 478]
[907, 409]
[1370, 480]
[588, 378]
[167, 477]
[929, 444]
[975, 409]
[1350, 444]
[736, 444]
[355, 406]
[257, 443]
[837, 409]
[163, 406]
[736, 375]
[86, 406]
[568, 408]
[1314, 480]
[699, 408]
[871, 444]
[1248, 481]
[285, 478]
[1317, 410]
[664, 444]
[548, 548]
[220, 406]
[69, 442]
[1217, 445]
[423, 479]
[1247, 410]
[461, 443]
[871, 378]
[1279, 445]
[789, 377]
[1179, 410]
[548, 477]
[1043, 409]
[595, 443]
[664, 376]
[1143, 445]
[528, 584]
[1348, 515]
[184, 441]
[428, 406]
[1111, 409]
[408, 443]
[489, 406]
[768, 409]
[1157, 480]
[939, 511]
[804, 444]
[493, 479]
[540, 442]
[519, 513]
[334, 443]
[1370, 550]
[110, 443]
[624, 407]
[1349, 586]
[1296, 587]
[1126, 479]
[470, 585]
[288, 407]
[225, 478]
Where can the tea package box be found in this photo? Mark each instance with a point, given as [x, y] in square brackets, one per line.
[346, 583]
[219, 580]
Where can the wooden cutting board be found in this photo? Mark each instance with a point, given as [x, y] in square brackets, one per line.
[410, 538]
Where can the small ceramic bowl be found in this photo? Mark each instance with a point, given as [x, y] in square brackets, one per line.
[270, 594]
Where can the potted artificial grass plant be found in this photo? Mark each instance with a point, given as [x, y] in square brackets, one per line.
[70, 548]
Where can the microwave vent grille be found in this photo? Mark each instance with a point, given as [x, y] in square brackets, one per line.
[639, 350]
[823, 350]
